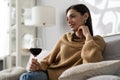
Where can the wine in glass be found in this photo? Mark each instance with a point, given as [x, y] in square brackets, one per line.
[36, 47]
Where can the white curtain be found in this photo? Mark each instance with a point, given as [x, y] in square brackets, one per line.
[105, 16]
[4, 25]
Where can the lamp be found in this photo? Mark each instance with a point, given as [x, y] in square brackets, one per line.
[43, 16]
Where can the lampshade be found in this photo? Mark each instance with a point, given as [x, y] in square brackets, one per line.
[43, 16]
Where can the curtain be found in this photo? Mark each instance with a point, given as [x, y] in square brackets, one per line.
[105, 16]
[4, 25]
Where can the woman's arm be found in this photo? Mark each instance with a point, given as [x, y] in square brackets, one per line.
[51, 57]
[43, 65]
[93, 49]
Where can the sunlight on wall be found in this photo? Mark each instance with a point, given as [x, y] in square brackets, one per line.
[3, 28]
[105, 16]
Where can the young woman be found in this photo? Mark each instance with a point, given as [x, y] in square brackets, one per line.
[72, 49]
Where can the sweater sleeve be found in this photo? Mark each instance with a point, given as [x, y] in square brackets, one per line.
[50, 58]
[93, 49]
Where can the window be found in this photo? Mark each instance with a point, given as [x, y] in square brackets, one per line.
[4, 26]
[105, 16]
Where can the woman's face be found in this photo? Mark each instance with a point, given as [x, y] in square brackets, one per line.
[75, 19]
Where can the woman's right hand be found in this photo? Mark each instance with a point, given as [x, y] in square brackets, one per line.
[35, 65]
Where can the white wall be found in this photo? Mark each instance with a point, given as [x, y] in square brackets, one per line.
[52, 34]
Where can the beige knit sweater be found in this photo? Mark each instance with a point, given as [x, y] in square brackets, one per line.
[68, 53]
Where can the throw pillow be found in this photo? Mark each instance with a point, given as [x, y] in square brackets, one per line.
[105, 77]
[85, 71]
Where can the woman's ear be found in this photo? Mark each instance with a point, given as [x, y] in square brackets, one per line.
[86, 15]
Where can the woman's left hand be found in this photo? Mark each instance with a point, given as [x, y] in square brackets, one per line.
[83, 31]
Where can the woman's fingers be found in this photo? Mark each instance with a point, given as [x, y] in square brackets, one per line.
[34, 65]
[79, 32]
[34, 61]
[84, 30]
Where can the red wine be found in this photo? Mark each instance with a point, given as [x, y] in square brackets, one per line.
[35, 51]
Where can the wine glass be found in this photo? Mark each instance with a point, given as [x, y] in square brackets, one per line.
[36, 47]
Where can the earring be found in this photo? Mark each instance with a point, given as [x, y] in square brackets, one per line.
[85, 21]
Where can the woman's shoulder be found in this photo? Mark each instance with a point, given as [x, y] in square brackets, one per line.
[98, 37]
[67, 34]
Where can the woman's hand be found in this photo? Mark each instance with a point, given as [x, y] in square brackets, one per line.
[83, 31]
[35, 65]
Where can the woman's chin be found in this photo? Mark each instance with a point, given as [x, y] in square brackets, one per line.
[73, 30]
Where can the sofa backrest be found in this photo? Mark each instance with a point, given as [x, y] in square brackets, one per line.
[112, 50]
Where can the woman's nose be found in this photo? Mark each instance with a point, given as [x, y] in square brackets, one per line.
[69, 20]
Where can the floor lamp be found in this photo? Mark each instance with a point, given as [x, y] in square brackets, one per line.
[43, 16]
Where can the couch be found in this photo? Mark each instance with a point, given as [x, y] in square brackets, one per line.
[109, 69]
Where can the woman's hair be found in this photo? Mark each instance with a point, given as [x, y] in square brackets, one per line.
[82, 9]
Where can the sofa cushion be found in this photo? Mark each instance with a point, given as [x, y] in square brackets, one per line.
[105, 77]
[85, 71]
[112, 50]
[12, 73]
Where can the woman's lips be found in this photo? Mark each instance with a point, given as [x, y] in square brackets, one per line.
[71, 25]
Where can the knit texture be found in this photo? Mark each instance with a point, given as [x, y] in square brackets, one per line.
[68, 53]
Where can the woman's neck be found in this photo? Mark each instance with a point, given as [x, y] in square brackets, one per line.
[74, 37]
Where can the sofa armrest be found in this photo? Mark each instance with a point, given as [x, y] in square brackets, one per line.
[12, 73]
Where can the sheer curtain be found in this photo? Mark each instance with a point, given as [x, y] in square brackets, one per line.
[4, 25]
[105, 16]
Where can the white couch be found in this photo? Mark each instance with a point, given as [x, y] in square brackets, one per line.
[109, 69]
[105, 70]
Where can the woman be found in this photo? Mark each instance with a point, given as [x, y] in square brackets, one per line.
[72, 49]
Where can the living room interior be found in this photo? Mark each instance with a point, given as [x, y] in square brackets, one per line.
[20, 30]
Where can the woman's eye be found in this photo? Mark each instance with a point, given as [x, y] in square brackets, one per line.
[72, 16]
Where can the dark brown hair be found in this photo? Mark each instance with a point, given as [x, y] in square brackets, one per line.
[82, 9]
